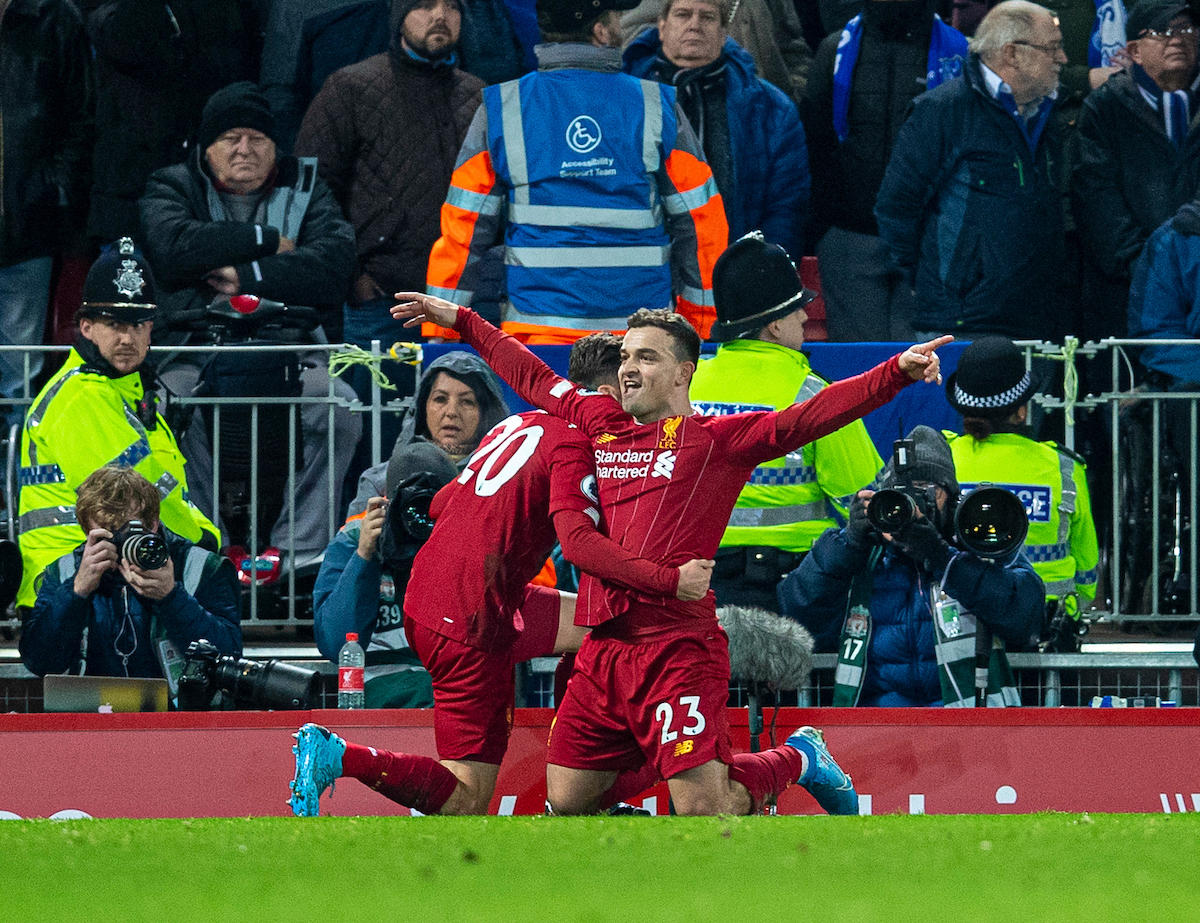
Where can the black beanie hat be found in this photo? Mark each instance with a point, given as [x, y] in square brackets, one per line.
[120, 285]
[239, 105]
[416, 458]
[931, 461]
[754, 283]
[991, 379]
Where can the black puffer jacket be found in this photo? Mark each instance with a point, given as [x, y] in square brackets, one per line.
[156, 65]
[184, 242]
[974, 218]
[1130, 177]
[46, 102]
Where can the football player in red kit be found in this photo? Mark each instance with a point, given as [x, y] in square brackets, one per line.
[471, 615]
[648, 695]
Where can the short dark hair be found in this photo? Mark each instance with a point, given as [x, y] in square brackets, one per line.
[549, 29]
[109, 495]
[682, 333]
[595, 360]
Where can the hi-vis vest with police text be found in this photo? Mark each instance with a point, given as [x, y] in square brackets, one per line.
[1052, 483]
[79, 422]
[788, 502]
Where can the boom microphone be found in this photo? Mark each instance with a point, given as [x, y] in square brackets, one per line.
[766, 648]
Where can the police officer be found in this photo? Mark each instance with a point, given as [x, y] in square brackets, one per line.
[991, 389]
[101, 408]
[790, 501]
[595, 183]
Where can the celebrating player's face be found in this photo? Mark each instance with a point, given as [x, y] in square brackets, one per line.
[650, 374]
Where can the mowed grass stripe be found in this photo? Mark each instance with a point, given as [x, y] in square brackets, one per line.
[1054, 867]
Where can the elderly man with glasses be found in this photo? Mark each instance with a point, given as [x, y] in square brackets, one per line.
[1139, 162]
[970, 209]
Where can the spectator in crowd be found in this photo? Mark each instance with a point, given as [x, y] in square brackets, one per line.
[596, 185]
[101, 407]
[308, 40]
[1139, 159]
[970, 209]
[48, 119]
[100, 612]
[769, 30]
[156, 66]
[532, 480]
[385, 133]
[897, 607]
[789, 501]
[749, 130]
[236, 219]
[991, 389]
[863, 80]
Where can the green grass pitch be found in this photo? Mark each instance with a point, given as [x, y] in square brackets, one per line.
[1053, 867]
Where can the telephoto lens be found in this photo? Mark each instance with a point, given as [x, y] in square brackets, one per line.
[891, 510]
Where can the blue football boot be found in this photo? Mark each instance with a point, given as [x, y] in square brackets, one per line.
[824, 778]
[318, 764]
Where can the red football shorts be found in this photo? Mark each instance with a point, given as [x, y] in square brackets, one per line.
[472, 689]
[661, 701]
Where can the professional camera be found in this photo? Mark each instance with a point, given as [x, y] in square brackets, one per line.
[893, 508]
[212, 680]
[138, 545]
[409, 524]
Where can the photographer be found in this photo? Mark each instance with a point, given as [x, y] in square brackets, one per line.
[129, 600]
[363, 576]
[878, 599]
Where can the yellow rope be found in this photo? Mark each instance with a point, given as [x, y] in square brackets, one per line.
[1070, 377]
[344, 359]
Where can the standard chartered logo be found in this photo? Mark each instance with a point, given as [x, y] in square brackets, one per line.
[664, 465]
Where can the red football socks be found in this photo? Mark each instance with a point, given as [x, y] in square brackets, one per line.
[416, 782]
[766, 773]
[629, 783]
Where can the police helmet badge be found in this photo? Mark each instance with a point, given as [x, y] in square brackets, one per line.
[129, 280]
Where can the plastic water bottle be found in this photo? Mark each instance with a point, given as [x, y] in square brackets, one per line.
[350, 673]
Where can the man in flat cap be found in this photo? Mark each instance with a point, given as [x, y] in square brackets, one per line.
[101, 408]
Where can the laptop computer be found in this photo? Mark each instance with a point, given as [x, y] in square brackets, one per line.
[65, 693]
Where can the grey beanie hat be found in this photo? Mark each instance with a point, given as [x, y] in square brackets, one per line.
[416, 458]
[932, 460]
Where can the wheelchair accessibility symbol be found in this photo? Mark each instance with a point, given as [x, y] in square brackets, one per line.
[583, 134]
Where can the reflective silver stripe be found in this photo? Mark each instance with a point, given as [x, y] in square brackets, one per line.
[680, 203]
[847, 675]
[751, 517]
[66, 568]
[478, 202]
[1066, 505]
[40, 474]
[700, 296]
[1060, 587]
[652, 129]
[1042, 554]
[48, 516]
[166, 483]
[952, 650]
[193, 569]
[586, 257]
[450, 294]
[811, 388]
[566, 216]
[512, 126]
[38, 412]
[513, 316]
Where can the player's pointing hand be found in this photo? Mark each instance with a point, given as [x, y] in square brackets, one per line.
[416, 308]
[921, 361]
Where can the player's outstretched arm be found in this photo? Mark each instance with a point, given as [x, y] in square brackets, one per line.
[921, 362]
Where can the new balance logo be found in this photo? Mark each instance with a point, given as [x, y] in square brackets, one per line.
[664, 465]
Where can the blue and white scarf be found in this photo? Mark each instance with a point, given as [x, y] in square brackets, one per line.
[947, 50]
[1175, 108]
[1108, 33]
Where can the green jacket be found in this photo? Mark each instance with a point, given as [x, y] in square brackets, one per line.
[790, 501]
[1052, 483]
[81, 421]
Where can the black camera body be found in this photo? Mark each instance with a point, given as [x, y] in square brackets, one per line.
[893, 508]
[408, 524]
[138, 545]
[214, 681]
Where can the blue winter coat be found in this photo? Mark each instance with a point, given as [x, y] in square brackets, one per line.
[972, 217]
[770, 154]
[901, 664]
[1164, 300]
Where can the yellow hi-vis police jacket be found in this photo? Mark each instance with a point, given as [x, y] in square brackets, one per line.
[790, 501]
[79, 422]
[1052, 483]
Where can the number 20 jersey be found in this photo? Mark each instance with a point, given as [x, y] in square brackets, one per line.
[497, 529]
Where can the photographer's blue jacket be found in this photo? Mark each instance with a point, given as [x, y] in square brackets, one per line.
[66, 633]
[901, 664]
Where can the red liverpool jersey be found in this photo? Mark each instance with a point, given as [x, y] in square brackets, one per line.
[496, 530]
[667, 488]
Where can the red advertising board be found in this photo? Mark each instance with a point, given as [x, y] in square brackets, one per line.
[935, 761]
